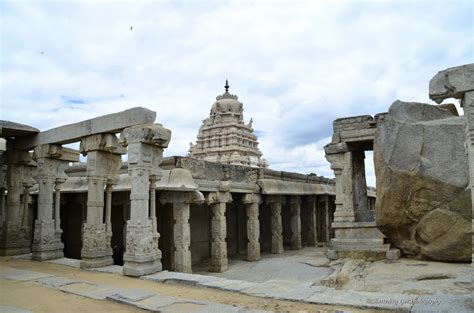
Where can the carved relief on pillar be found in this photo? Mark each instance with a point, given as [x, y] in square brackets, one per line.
[51, 160]
[218, 202]
[140, 241]
[341, 164]
[94, 242]
[145, 150]
[276, 203]
[103, 163]
[295, 210]
[17, 178]
[252, 202]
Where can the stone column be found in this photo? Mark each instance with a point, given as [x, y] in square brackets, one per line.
[341, 164]
[3, 176]
[103, 162]
[57, 204]
[145, 152]
[181, 229]
[108, 210]
[218, 202]
[276, 203]
[154, 223]
[51, 160]
[311, 231]
[252, 201]
[295, 209]
[14, 237]
[327, 212]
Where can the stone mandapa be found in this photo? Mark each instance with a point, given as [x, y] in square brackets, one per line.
[423, 198]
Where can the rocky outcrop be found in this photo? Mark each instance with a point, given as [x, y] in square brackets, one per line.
[423, 197]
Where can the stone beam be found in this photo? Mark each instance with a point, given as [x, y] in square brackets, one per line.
[452, 83]
[110, 123]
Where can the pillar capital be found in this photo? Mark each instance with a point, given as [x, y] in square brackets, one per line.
[294, 200]
[310, 199]
[154, 134]
[101, 142]
[251, 198]
[275, 199]
[218, 197]
[57, 152]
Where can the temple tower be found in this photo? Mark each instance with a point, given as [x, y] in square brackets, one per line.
[224, 137]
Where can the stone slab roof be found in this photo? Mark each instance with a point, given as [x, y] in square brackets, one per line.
[10, 129]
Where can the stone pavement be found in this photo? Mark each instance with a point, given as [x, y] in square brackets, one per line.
[130, 296]
[306, 292]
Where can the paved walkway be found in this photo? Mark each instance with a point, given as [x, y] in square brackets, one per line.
[138, 298]
[295, 276]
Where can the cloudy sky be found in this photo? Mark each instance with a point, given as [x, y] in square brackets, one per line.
[295, 65]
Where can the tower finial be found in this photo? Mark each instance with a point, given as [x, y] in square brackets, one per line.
[226, 86]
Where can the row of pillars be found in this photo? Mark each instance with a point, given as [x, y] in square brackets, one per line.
[145, 150]
[142, 255]
[218, 202]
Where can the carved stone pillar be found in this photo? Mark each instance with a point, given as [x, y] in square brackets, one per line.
[154, 224]
[341, 164]
[276, 203]
[218, 202]
[311, 231]
[108, 210]
[252, 201]
[295, 209]
[145, 152]
[181, 229]
[103, 163]
[3, 178]
[327, 213]
[51, 160]
[15, 236]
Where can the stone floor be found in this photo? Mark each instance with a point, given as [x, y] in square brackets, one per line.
[303, 276]
[307, 275]
[134, 297]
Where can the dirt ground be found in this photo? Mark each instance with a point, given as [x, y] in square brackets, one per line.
[30, 296]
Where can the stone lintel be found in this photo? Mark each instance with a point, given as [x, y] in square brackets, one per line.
[181, 197]
[56, 152]
[110, 123]
[12, 129]
[353, 136]
[286, 188]
[452, 83]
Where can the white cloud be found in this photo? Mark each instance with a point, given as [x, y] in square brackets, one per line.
[296, 65]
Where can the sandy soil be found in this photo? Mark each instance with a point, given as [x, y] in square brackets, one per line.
[30, 296]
